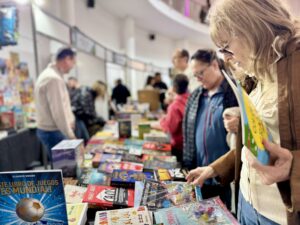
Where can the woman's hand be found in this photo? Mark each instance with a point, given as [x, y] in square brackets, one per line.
[279, 168]
[231, 123]
[199, 175]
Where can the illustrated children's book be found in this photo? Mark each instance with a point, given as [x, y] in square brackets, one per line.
[77, 213]
[209, 211]
[253, 127]
[32, 197]
[134, 216]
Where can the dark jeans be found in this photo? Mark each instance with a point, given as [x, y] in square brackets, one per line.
[209, 191]
[49, 139]
[81, 132]
[247, 215]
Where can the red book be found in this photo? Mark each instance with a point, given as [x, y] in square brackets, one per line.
[157, 146]
[105, 196]
[132, 166]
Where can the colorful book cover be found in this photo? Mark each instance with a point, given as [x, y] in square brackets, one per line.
[166, 158]
[104, 157]
[155, 164]
[138, 192]
[209, 211]
[124, 128]
[85, 176]
[131, 158]
[131, 166]
[157, 195]
[28, 197]
[127, 178]
[108, 167]
[178, 174]
[163, 175]
[253, 127]
[77, 213]
[74, 194]
[157, 146]
[143, 129]
[67, 155]
[99, 178]
[136, 216]
[106, 196]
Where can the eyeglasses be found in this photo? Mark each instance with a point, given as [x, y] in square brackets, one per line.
[225, 51]
[201, 73]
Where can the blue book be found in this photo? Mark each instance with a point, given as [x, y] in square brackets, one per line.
[32, 197]
[127, 178]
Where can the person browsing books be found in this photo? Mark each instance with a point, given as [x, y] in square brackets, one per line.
[55, 120]
[269, 194]
[172, 121]
[203, 128]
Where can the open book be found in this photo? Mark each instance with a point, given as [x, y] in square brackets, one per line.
[254, 130]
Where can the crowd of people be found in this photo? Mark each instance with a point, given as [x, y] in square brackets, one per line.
[201, 110]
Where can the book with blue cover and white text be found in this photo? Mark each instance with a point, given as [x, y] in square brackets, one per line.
[32, 197]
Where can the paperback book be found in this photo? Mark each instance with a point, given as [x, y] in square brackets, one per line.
[106, 196]
[77, 213]
[28, 197]
[127, 178]
[134, 216]
[254, 130]
[74, 194]
[209, 211]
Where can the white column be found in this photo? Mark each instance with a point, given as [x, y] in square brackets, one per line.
[129, 45]
[68, 11]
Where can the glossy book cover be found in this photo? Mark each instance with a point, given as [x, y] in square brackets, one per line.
[33, 198]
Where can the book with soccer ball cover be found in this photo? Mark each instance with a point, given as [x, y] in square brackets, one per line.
[254, 130]
[32, 197]
[109, 197]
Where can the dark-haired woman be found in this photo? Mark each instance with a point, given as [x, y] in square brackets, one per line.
[203, 128]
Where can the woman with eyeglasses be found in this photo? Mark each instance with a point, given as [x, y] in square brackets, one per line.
[203, 127]
[264, 39]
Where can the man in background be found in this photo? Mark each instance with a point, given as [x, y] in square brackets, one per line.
[120, 93]
[55, 120]
[161, 86]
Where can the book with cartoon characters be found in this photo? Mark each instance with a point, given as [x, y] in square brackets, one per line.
[136, 216]
[253, 127]
[127, 178]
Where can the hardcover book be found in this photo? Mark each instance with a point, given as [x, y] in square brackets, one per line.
[67, 156]
[32, 197]
[124, 128]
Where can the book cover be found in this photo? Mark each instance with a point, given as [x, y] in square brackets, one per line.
[165, 158]
[143, 129]
[254, 129]
[67, 155]
[131, 158]
[178, 174]
[99, 178]
[136, 216]
[108, 167]
[105, 157]
[131, 166]
[124, 128]
[209, 211]
[155, 164]
[127, 178]
[85, 176]
[77, 213]
[106, 196]
[138, 192]
[157, 146]
[74, 194]
[157, 195]
[163, 175]
[28, 197]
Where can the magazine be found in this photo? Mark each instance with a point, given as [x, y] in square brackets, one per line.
[32, 197]
[209, 211]
[254, 130]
